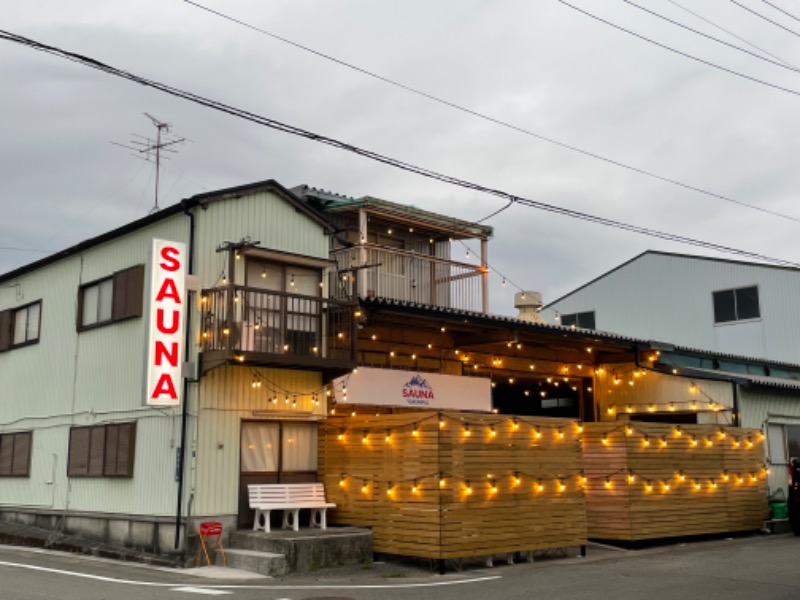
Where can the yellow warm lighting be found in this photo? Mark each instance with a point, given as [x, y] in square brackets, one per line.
[365, 487]
[580, 428]
[736, 442]
[492, 432]
[645, 441]
[722, 434]
[494, 486]
[694, 440]
[749, 442]
[561, 486]
[517, 479]
[693, 389]
[415, 431]
[560, 433]
[651, 408]
[468, 489]
[709, 442]
[665, 486]
[414, 487]
[441, 423]
[631, 478]
[539, 486]
[340, 437]
[341, 481]
[629, 430]
[610, 410]
[605, 440]
[663, 441]
[389, 489]
[678, 431]
[681, 476]
[629, 408]
[388, 437]
[725, 476]
[648, 487]
[467, 432]
[537, 432]
[441, 482]
[607, 483]
[226, 331]
[364, 439]
[515, 424]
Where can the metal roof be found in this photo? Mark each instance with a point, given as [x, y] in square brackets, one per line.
[571, 332]
[668, 255]
[336, 203]
[169, 211]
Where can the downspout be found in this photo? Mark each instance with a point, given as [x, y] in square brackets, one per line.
[737, 421]
[184, 404]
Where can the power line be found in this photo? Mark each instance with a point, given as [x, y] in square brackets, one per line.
[728, 31]
[409, 167]
[491, 119]
[711, 37]
[680, 52]
[779, 9]
[765, 18]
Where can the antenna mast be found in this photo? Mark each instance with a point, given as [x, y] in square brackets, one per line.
[147, 148]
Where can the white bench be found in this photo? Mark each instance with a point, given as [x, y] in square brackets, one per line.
[290, 498]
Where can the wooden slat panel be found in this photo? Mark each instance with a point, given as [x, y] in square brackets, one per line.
[501, 462]
[687, 480]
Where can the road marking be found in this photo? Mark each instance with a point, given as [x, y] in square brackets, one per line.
[197, 590]
[378, 586]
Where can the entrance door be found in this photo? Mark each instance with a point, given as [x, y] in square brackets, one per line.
[275, 452]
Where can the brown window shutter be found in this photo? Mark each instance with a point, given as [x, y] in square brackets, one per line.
[78, 462]
[128, 292]
[97, 443]
[112, 443]
[126, 449]
[6, 453]
[22, 454]
[6, 329]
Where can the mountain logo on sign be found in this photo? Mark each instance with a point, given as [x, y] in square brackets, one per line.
[417, 392]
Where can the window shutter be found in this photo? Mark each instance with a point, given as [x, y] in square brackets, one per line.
[78, 462]
[6, 452]
[112, 442]
[22, 453]
[97, 442]
[126, 449]
[128, 293]
[6, 329]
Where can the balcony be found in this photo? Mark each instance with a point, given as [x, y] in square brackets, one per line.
[258, 327]
[408, 276]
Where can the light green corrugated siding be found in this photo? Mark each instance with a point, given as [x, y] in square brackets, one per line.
[226, 398]
[756, 406]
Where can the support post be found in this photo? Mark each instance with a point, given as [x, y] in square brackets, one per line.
[485, 276]
[361, 274]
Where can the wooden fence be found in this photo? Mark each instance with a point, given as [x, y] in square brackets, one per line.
[648, 480]
[452, 485]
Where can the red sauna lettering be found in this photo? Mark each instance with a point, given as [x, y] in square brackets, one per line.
[170, 354]
[413, 393]
[171, 263]
[168, 289]
[164, 386]
[162, 326]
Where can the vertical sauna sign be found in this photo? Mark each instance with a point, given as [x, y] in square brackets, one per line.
[166, 302]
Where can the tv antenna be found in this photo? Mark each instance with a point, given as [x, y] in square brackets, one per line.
[154, 151]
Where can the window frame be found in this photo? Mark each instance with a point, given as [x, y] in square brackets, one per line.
[577, 317]
[15, 436]
[127, 297]
[8, 318]
[735, 293]
[26, 342]
[101, 462]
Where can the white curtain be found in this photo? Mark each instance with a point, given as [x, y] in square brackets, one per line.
[299, 446]
[260, 446]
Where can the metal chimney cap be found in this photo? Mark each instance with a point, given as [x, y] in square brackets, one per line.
[527, 299]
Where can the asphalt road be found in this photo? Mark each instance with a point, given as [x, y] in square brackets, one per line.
[746, 568]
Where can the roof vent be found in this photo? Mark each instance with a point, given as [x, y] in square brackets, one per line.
[528, 304]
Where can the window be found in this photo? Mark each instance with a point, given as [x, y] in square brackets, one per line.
[15, 454]
[102, 450]
[111, 299]
[736, 305]
[783, 442]
[584, 320]
[277, 447]
[20, 326]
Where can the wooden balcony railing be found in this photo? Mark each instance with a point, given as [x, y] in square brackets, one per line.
[408, 276]
[276, 328]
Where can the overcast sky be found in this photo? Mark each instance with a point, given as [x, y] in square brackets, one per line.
[537, 64]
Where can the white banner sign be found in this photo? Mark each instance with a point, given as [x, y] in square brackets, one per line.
[410, 389]
[166, 301]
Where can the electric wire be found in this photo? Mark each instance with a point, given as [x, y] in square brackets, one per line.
[779, 9]
[402, 165]
[711, 37]
[489, 118]
[681, 53]
[729, 32]
[764, 17]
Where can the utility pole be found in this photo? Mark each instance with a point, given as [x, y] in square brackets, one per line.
[151, 150]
